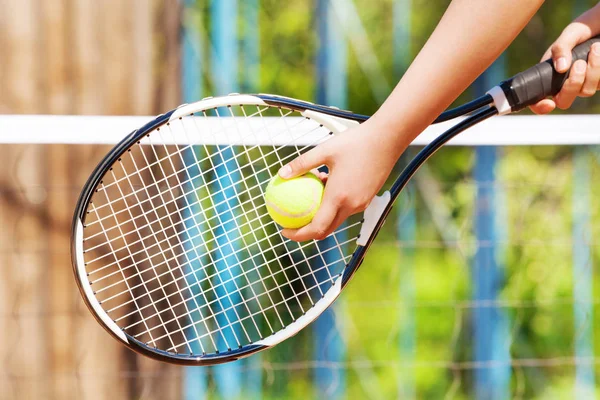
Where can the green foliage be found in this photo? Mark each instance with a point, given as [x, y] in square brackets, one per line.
[376, 315]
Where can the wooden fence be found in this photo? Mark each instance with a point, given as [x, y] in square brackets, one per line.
[71, 57]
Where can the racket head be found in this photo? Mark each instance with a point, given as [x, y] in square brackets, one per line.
[173, 249]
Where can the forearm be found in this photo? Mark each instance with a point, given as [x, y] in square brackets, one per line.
[590, 20]
[470, 36]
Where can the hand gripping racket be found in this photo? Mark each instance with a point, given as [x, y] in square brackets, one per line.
[172, 247]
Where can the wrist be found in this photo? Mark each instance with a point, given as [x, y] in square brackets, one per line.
[591, 19]
[390, 135]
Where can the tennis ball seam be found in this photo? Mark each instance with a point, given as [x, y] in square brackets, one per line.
[314, 204]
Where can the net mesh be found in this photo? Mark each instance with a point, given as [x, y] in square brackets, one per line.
[404, 326]
[178, 244]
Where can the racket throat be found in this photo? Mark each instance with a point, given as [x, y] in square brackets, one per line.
[336, 124]
[372, 215]
[501, 101]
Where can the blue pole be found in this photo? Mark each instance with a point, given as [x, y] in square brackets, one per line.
[402, 27]
[194, 380]
[583, 305]
[251, 84]
[225, 46]
[583, 277]
[191, 66]
[225, 78]
[250, 46]
[332, 89]
[407, 220]
[407, 229]
[490, 324]
[332, 58]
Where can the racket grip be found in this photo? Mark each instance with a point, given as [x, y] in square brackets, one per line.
[541, 80]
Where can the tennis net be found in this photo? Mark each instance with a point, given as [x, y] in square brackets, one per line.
[484, 278]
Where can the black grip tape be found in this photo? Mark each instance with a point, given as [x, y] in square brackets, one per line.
[540, 81]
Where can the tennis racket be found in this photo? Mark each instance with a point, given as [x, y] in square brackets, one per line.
[172, 247]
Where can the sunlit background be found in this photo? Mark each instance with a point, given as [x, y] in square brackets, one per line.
[483, 284]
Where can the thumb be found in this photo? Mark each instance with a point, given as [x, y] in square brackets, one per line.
[305, 162]
[543, 107]
[562, 48]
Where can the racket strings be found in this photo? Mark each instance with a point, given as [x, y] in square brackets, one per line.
[129, 289]
[263, 170]
[228, 293]
[278, 258]
[170, 306]
[164, 217]
[159, 160]
[281, 163]
[253, 232]
[300, 307]
[196, 265]
[166, 238]
[190, 146]
[272, 306]
[92, 272]
[162, 253]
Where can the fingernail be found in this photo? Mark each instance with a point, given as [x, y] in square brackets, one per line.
[596, 49]
[579, 67]
[285, 171]
[561, 64]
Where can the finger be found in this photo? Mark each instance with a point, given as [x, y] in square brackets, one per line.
[321, 175]
[563, 46]
[340, 217]
[572, 86]
[305, 162]
[547, 54]
[592, 76]
[319, 227]
[543, 107]
[339, 220]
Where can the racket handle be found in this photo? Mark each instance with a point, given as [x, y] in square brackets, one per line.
[540, 81]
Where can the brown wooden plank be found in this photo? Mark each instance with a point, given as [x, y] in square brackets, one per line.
[142, 64]
[7, 323]
[55, 56]
[87, 69]
[29, 268]
[21, 93]
[85, 57]
[24, 352]
[168, 64]
[116, 55]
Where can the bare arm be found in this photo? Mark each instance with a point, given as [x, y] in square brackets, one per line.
[470, 36]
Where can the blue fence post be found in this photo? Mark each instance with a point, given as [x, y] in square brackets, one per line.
[224, 57]
[332, 89]
[250, 46]
[407, 220]
[224, 46]
[583, 278]
[194, 381]
[402, 27]
[250, 52]
[490, 324]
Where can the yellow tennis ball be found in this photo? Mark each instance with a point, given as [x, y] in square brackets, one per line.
[293, 203]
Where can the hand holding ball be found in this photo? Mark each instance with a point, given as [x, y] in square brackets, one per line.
[293, 203]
